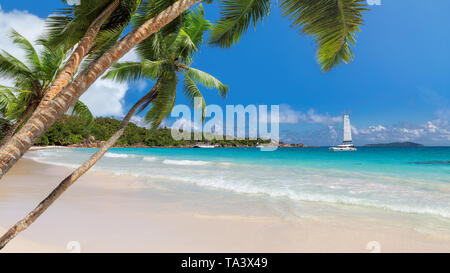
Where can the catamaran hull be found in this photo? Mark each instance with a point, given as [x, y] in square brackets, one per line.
[204, 146]
[337, 149]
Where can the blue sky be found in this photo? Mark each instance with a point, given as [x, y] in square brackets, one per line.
[396, 89]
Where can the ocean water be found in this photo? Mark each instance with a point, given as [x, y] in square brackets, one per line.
[408, 180]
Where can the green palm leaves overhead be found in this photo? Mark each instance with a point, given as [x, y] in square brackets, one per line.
[236, 18]
[29, 78]
[68, 25]
[331, 23]
[166, 56]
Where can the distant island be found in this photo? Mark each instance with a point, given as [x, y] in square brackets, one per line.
[395, 144]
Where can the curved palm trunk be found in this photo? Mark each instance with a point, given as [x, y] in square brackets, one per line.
[78, 54]
[26, 115]
[69, 180]
[43, 118]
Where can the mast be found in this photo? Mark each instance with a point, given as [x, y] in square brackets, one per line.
[347, 130]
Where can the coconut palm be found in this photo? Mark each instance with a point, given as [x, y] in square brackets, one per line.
[30, 80]
[91, 25]
[166, 58]
[332, 24]
[164, 55]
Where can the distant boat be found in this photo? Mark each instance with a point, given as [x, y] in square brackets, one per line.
[347, 144]
[271, 145]
[205, 146]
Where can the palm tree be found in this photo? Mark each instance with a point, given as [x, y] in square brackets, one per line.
[31, 80]
[332, 23]
[166, 58]
[91, 26]
[163, 57]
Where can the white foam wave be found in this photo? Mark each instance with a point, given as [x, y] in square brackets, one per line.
[114, 155]
[185, 162]
[47, 161]
[305, 186]
[248, 188]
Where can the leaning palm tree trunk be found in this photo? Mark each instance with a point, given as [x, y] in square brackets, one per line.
[42, 119]
[78, 54]
[25, 116]
[69, 180]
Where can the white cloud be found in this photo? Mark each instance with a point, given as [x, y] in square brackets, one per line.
[104, 97]
[312, 117]
[186, 124]
[288, 115]
[139, 121]
[73, 2]
[291, 116]
[433, 132]
[131, 56]
[29, 25]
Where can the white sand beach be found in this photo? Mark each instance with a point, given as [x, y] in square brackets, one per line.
[103, 215]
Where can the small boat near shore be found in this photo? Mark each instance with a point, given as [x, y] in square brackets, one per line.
[347, 145]
[204, 146]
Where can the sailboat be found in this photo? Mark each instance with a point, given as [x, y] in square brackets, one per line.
[203, 145]
[347, 144]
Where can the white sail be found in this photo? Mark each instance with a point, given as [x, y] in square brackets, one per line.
[347, 129]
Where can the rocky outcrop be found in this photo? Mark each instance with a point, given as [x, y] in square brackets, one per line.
[89, 142]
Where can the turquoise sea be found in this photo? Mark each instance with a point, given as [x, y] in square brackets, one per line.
[407, 180]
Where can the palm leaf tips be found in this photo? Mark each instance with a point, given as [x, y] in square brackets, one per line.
[332, 23]
[236, 18]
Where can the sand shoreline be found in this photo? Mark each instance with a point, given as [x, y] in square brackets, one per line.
[104, 216]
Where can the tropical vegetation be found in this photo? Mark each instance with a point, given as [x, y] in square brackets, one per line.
[72, 130]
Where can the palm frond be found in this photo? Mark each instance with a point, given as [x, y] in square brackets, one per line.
[12, 68]
[236, 17]
[30, 53]
[196, 25]
[153, 69]
[112, 30]
[68, 25]
[332, 23]
[5, 125]
[7, 99]
[192, 92]
[13, 104]
[154, 47]
[52, 60]
[190, 36]
[21, 103]
[124, 72]
[206, 80]
[164, 101]
[81, 110]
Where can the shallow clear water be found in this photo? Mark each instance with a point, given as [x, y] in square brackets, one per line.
[409, 180]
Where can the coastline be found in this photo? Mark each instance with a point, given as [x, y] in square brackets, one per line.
[109, 213]
[96, 145]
